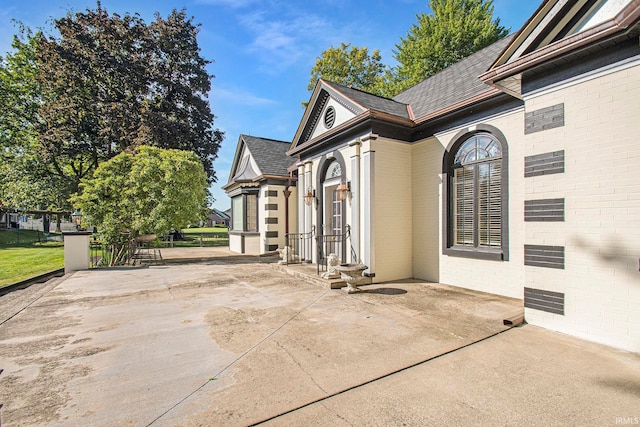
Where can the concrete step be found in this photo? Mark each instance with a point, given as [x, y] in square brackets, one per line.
[308, 273]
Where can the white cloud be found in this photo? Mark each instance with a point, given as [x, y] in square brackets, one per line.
[278, 34]
[239, 96]
[283, 35]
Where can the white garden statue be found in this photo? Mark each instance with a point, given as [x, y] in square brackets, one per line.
[332, 262]
[287, 255]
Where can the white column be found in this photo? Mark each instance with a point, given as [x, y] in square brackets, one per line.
[355, 202]
[369, 226]
[76, 251]
[308, 209]
[302, 188]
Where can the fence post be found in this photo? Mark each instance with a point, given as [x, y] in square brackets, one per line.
[76, 251]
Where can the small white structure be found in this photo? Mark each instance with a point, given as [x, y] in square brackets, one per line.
[76, 251]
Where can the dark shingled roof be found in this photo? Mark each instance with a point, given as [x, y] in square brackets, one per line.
[372, 102]
[269, 154]
[221, 214]
[453, 84]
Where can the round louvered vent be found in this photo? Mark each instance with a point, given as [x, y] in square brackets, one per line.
[329, 117]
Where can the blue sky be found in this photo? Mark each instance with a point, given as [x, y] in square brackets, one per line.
[262, 50]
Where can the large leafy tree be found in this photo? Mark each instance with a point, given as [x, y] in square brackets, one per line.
[351, 66]
[24, 182]
[176, 111]
[111, 83]
[452, 31]
[95, 77]
[147, 191]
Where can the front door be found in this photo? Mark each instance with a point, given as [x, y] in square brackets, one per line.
[333, 224]
[332, 216]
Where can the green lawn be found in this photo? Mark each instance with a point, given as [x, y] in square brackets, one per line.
[15, 237]
[22, 262]
[210, 236]
[23, 254]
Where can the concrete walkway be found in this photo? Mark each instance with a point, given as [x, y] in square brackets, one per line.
[233, 341]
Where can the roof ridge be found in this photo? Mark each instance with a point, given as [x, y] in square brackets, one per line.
[264, 139]
[330, 82]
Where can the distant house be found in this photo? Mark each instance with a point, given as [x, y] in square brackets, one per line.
[218, 217]
[515, 172]
[262, 195]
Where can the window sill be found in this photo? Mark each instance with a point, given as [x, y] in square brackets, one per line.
[475, 253]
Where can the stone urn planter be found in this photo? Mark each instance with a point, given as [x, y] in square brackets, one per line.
[352, 275]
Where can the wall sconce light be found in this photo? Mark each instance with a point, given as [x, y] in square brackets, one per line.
[309, 196]
[343, 190]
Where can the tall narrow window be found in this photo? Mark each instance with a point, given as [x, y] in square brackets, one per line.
[244, 212]
[237, 213]
[476, 207]
[252, 212]
[336, 220]
[477, 194]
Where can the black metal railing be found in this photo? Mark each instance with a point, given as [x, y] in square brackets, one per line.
[110, 255]
[300, 247]
[328, 244]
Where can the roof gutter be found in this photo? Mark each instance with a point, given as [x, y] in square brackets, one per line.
[253, 180]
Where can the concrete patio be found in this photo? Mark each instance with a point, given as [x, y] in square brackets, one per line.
[235, 341]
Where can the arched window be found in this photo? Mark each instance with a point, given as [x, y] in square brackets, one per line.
[333, 171]
[476, 208]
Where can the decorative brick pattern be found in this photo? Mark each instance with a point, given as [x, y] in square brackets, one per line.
[544, 118]
[271, 220]
[271, 193]
[545, 210]
[271, 207]
[544, 256]
[272, 248]
[600, 183]
[544, 164]
[271, 234]
[551, 302]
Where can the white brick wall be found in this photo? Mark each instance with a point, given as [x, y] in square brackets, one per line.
[235, 243]
[601, 186]
[280, 227]
[393, 210]
[498, 277]
[427, 212]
